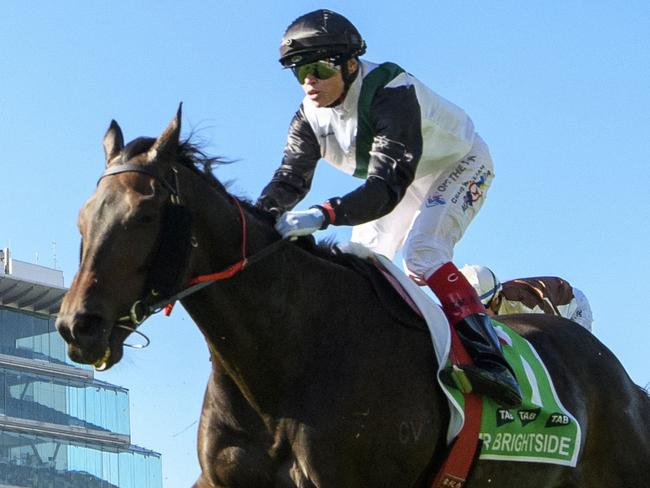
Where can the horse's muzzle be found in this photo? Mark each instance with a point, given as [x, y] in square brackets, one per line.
[88, 335]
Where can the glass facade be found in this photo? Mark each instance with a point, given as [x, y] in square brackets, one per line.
[59, 427]
[42, 462]
[32, 336]
[63, 401]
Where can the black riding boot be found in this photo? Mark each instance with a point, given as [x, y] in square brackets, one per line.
[491, 375]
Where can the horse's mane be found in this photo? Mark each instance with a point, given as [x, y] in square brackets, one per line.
[192, 156]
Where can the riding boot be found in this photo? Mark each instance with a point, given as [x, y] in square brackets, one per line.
[491, 375]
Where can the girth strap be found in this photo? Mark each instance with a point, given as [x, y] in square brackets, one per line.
[464, 452]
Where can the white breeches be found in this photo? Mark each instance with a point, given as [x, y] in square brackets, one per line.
[433, 215]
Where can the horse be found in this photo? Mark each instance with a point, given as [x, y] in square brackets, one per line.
[320, 375]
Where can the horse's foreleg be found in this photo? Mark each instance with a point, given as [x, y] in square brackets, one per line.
[233, 442]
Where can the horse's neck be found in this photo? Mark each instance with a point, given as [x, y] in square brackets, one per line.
[260, 324]
[240, 317]
[255, 328]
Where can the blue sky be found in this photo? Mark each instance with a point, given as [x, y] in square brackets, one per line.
[559, 90]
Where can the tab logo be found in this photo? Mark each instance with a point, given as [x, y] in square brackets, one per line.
[558, 419]
[528, 416]
[504, 417]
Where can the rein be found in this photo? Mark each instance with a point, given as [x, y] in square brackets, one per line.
[140, 310]
[143, 309]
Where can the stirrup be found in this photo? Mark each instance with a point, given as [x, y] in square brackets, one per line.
[455, 377]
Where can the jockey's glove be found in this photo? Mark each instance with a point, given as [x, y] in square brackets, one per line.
[301, 223]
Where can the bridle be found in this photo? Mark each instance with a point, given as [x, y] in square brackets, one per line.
[153, 303]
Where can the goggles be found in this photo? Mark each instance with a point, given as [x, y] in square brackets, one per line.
[323, 70]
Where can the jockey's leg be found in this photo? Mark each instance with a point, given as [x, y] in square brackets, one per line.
[490, 375]
[449, 204]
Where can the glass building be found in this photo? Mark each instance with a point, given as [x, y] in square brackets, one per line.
[59, 426]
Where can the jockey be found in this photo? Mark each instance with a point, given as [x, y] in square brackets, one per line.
[546, 294]
[425, 170]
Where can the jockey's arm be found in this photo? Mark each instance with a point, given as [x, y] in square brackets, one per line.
[292, 180]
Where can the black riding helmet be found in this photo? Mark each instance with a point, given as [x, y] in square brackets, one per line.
[321, 34]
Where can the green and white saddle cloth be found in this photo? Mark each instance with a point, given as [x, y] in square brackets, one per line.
[542, 430]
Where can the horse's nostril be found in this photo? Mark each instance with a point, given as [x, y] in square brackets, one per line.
[86, 325]
[64, 329]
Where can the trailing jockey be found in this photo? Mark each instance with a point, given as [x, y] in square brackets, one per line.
[540, 294]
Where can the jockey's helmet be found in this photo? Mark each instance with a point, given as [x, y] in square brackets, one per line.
[483, 280]
[321, 34]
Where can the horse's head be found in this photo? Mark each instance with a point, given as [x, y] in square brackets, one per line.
[120, 226]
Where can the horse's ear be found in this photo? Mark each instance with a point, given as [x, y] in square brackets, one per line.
[167, 143]
[113, 141]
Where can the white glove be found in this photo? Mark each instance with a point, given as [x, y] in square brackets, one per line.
[303, 223]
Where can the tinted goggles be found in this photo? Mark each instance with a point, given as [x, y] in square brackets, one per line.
[323, 70]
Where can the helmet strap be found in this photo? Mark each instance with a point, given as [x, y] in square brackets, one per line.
[348, 79]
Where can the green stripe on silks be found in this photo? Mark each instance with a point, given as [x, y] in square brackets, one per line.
[375, 80]
[542, 430]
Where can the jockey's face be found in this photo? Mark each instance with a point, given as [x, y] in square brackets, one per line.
[325, 92]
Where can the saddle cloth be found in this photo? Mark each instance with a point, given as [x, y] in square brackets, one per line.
[542, 430]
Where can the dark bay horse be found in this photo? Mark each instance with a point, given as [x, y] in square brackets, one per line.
[320, 376]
